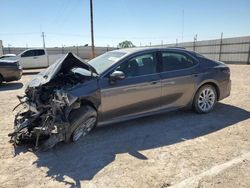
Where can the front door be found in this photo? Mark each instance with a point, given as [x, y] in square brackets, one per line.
[138, 93]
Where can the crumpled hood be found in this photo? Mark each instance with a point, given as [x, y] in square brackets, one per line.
[64, 64]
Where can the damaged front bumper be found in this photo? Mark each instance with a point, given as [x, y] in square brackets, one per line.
[42, 116]
[45, 125]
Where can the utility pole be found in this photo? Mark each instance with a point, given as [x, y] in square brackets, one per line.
[43, 36]
[195, 40]
[9, 48]
[92, 29]
[182, 24]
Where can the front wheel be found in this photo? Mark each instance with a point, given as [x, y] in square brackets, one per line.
[1, 79]
[82, 122]
[205, 99]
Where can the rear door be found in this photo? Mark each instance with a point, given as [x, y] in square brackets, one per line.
[178, 74]
[138, 93]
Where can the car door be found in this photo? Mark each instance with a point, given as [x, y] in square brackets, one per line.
[33, 59]
[41, 58]
[139, 92]
[178, 75]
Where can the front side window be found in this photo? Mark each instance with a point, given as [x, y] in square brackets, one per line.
[29, 53]
[139, 66]
[176, 61]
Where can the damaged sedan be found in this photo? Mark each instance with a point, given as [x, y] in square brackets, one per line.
[68, 99]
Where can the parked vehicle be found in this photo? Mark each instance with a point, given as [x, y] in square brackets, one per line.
[35, 58]
[69, 98]
[10, 71]
[7, 56]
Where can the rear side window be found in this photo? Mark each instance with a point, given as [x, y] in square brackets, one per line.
[39, 52]
[176, 61]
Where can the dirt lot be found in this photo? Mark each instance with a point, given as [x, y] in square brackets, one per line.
[179, 149]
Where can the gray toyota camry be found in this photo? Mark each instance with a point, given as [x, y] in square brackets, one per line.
[68, 99]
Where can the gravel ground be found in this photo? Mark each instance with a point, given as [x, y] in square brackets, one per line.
[179, 149]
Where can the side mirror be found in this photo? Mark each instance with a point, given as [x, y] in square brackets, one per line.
[117, 75]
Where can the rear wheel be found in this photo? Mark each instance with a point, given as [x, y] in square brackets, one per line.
[205, 99]
[82, 122]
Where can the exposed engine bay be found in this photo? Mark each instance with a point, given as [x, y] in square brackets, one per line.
[42, 115]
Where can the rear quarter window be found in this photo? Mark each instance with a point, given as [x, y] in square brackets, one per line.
[176, 61]
[40, 52]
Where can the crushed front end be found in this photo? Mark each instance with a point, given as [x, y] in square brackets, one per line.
[42, 115]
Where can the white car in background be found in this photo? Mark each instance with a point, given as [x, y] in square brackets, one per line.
[34, 58]
[7, 56]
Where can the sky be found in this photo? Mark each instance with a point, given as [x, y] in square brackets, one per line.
[144, 22]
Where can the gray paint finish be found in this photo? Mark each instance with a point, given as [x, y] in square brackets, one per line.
[163, 91]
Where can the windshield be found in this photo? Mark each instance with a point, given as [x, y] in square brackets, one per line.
[103, 62]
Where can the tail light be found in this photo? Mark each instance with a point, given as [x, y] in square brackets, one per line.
[226, 70]
[18, 65]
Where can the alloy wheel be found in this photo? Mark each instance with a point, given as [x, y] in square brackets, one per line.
[206, 99]
[84, 128]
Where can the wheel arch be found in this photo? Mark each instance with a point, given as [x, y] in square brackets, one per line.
[89, 103]
[212, 83]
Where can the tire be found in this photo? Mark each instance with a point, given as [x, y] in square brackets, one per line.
[205, 99]
[1, 79]
[82, 121]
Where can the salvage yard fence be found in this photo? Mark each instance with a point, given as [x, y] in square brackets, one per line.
[81, 51]
[229, 50]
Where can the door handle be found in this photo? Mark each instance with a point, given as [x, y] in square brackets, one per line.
[169, 83]
[34, 57]
[154, 82]
[195, 74]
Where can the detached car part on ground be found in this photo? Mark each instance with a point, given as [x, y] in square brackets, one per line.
[66, 100]
[49, 106]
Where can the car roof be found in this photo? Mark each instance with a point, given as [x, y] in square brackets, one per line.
[142, 49]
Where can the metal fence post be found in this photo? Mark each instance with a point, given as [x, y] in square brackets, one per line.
[248, 59]
[221, 38]
[77, 50]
